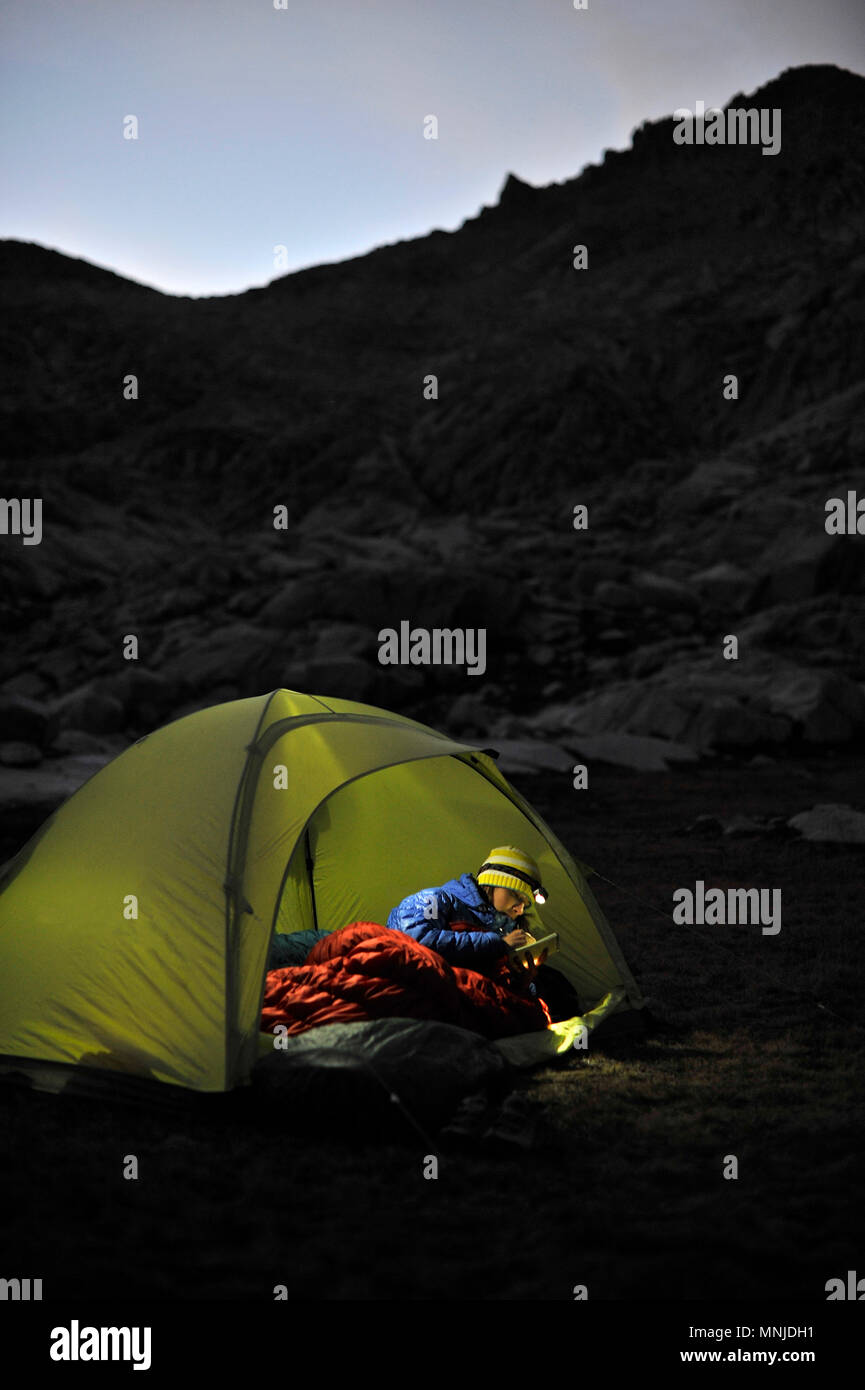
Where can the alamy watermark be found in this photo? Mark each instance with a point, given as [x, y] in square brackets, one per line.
[438, 646]
[76, 1343]
[728, 907]
[21, 516]
[845, 517]
[852, 1289]
[20, 1290]
[731, 127]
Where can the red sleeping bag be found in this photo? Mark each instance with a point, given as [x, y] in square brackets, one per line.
[369, 971]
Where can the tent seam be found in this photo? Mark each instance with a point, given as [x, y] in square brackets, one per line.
[231, 888]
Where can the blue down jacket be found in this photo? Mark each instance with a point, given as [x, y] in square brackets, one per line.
[427, 916]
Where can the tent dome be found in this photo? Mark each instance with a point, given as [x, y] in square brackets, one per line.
[135, 925]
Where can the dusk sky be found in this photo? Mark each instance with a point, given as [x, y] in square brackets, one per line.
[303, 126]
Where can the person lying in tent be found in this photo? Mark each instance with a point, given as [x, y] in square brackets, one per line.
[470, 920]
[443, 955]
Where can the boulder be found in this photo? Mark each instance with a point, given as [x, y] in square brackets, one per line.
[738, 826]
[346, 676]
[714, 705]
[290, 606]
[646, 660]
[626, 750]
[680, 623]
[831, 823]
[745, 826]
[526, 755]
[613, 639]
[340, 639]
[25, 719]
[274, 566]
[64, 667]
[215, 695]
[793, 568]
[77, 741]
[824, 706]
[91, 708]
[398, 685]
[725, 722]
[666, 594]
[704, 824]
[601, 670]
[712, 482]
[801, 566]
[593, 569]
[241, 653]
[27, 683]
[611, 594]
[18, 754]
[727, 586]
[144, 694]
[471, 714]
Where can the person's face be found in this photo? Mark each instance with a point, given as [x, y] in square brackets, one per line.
[510, 903]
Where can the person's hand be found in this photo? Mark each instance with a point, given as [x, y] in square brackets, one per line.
[525, 968]
[517, 937]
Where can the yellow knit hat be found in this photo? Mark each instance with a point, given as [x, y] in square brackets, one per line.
[509, 867]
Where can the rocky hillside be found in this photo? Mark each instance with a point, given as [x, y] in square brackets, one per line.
[556, 387]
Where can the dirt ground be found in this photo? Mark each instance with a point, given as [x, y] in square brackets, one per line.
[624, 1190]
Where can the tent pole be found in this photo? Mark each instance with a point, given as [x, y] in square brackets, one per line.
[309, 869]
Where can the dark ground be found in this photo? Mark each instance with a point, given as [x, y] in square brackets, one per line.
[624, 1191]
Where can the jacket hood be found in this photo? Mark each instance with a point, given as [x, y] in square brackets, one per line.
[468, 890]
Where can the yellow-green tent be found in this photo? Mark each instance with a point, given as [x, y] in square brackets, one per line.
[135, 925]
